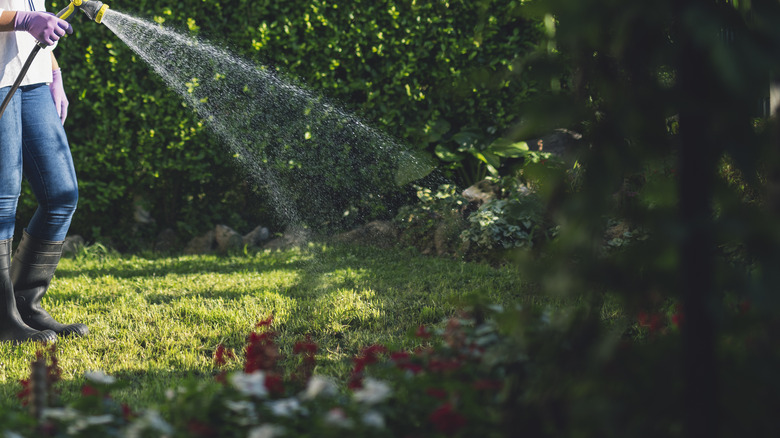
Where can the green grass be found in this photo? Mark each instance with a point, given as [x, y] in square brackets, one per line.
[156, 321]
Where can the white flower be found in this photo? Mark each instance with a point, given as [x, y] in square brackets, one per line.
[337, 417]
[245, 409]
[266, 431]
[99, 376]
[151, 420]
[252, 384]
[374, 419]
[373, 392]
[240, 406]
[319, 385]
[82, 423]
[11, 434]
[65, 414]
[285, 407]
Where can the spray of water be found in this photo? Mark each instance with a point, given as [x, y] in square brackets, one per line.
[308, 155]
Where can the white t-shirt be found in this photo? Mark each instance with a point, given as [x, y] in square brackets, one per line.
[15, 47]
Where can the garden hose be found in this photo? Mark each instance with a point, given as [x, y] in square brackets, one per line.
[94, 10]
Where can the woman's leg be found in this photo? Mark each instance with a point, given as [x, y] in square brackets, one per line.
[10, 163]
[48, 165]
[12, 326]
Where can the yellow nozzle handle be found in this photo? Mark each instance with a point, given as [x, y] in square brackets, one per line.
[65, 13]
[100, 12]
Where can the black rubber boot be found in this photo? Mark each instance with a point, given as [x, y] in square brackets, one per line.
[12, 327]
[32, 269]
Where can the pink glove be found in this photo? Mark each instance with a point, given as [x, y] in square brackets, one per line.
[44, 26]
[58, 94]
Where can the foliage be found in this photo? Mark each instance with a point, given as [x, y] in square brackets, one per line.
[422, 72]
[663, 92]
[514, 217]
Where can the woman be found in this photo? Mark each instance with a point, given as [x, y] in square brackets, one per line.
[33, 144]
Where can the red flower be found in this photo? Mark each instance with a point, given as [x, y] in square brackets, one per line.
[273, 382]
[222, 354]
[197, 428]
[446, 420]
[487, 385]
[127, 413]
[265, 322]
[422, 332]
[399, 356]
[372, 352]
[442, 365]
[261, 352]
[744, 306]
[306, 347]
[355, 381]
[436, 393]
[360, 364]
[24, 394]
[651, 321]
[403, 361]
[89, 391]
[678, 318]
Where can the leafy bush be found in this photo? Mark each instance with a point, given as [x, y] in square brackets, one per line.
[422, 72]
[506, 223]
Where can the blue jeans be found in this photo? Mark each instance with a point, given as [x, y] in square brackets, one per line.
[33, 144]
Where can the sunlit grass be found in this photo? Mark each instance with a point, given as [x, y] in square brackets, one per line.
[156, 321]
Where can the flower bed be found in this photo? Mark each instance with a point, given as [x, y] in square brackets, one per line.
[492, 372]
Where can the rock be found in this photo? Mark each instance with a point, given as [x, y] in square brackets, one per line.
[481, 193]
[140, 214]
[293, 237]
[204, 244]
[72, 245]
[383, 234]
[561, 142]
[257, 236]
[227, 239]
[167, 240]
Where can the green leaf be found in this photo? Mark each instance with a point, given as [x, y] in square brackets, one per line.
[448, 155]
[508, 149]
[467, 140]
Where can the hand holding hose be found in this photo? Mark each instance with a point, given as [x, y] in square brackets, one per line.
[45, 27]
[58, 94]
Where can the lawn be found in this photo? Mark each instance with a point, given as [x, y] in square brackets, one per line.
[156, 321]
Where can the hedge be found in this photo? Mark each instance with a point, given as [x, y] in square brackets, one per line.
[420, 72]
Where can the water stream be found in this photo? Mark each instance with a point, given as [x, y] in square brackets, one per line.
[302, 150]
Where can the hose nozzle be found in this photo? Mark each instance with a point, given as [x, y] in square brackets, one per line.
[92, 8]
